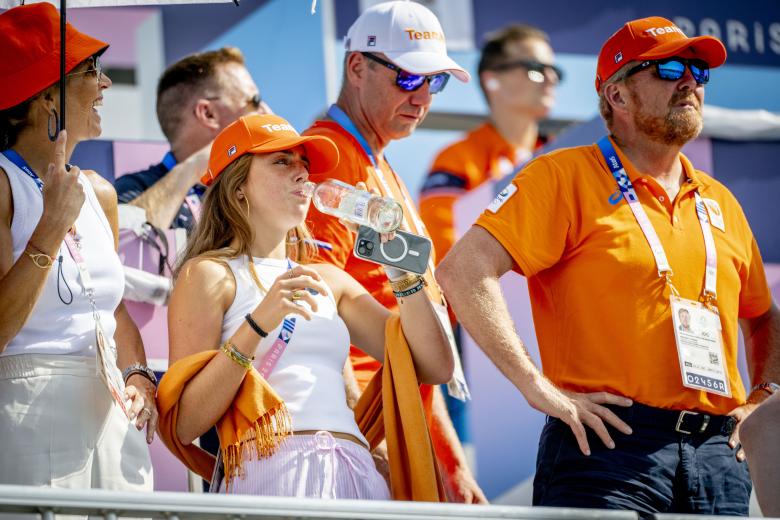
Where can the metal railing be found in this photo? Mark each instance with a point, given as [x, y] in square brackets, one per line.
[111, 505]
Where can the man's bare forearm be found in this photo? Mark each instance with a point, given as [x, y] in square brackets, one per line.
[474, 292]
[163, 200]
[762, 345]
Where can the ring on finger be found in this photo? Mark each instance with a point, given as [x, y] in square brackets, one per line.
[296, 295]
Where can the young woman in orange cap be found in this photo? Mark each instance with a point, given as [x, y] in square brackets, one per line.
[257, 327]
[65, 414]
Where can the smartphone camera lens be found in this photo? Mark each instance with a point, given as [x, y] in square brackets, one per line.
[370, 246]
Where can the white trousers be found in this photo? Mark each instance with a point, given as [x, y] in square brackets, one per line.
[312, 466]
[59, 427]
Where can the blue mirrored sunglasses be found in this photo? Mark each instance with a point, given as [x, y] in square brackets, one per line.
[411, 82]
[672, 69]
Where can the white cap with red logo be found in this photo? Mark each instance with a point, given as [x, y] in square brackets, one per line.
[408, 33]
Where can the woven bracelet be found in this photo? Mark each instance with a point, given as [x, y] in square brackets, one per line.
[417, 288]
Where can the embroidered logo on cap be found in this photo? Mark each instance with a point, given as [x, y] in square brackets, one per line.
[232, 151]
[618, 57]
[669, 29]
[281, 127]
[424, 35]
[371, 41]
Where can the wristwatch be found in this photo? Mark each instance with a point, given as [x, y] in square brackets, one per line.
[138, 368]
[768, 386]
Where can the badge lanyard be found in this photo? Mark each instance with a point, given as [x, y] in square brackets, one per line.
[106, 353]
[699, 346]
[709, 293]
[457, 386]
[271, 358]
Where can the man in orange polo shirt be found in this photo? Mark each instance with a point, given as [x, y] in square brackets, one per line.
[396, 60]
[615, 238]
[518, 76]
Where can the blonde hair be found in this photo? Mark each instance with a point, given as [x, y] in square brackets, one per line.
[224, 220]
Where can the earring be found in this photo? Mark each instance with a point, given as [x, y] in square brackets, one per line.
[292, 240]
[53, 135]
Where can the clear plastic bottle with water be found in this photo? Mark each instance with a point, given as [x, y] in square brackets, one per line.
[344, 201]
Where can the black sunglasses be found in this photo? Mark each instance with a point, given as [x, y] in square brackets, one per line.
[537, 71]
[411, 82]
[672, 69]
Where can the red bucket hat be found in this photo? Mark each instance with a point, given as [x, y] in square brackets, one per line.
[266, 133]
[30, 46]
[654, 38]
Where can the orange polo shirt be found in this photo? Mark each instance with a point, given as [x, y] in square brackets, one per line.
[483, 154]
[354, 166]
[602, 314]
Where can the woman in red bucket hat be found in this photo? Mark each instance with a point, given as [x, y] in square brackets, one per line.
[259, 337]
[68, 417]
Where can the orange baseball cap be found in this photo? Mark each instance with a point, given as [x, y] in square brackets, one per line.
[265, 133]
[654, 38]
[30, 46]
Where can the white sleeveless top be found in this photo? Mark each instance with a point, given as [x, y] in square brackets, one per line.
[54, 327]
[309, 374]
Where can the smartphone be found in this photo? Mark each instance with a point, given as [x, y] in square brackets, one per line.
[406, 251]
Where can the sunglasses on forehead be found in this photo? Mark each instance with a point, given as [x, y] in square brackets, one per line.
[672, 69]
[537, 71]
[411, 82]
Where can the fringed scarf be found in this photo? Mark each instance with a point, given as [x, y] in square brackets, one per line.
[257, 421]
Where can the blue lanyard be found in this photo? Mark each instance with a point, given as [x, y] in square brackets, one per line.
[629, 193]
[617, 170]
[169, 161]
[338, 115]
[17, 159]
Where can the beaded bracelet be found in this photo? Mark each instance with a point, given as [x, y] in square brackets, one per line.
[417, 288]
[235, 355]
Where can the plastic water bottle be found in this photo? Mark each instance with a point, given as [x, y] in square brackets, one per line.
[341, 200]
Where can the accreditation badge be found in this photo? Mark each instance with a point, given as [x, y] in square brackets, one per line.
[697, 332]
[109, 371]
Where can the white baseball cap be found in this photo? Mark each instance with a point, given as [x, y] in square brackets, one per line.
[408, 33]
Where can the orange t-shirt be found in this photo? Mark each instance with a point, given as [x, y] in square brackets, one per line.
[601, 312]
[338, 243]
[483, 154]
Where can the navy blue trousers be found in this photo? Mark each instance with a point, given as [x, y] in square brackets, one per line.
[656, 469]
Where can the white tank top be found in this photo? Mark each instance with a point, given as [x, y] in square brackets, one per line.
[54, 327]
[309, 374]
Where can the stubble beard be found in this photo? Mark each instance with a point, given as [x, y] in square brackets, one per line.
[676, 128]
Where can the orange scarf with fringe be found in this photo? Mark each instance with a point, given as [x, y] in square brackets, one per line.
[257, 421]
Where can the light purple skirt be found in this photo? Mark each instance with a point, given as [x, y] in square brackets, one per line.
[313, 466]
